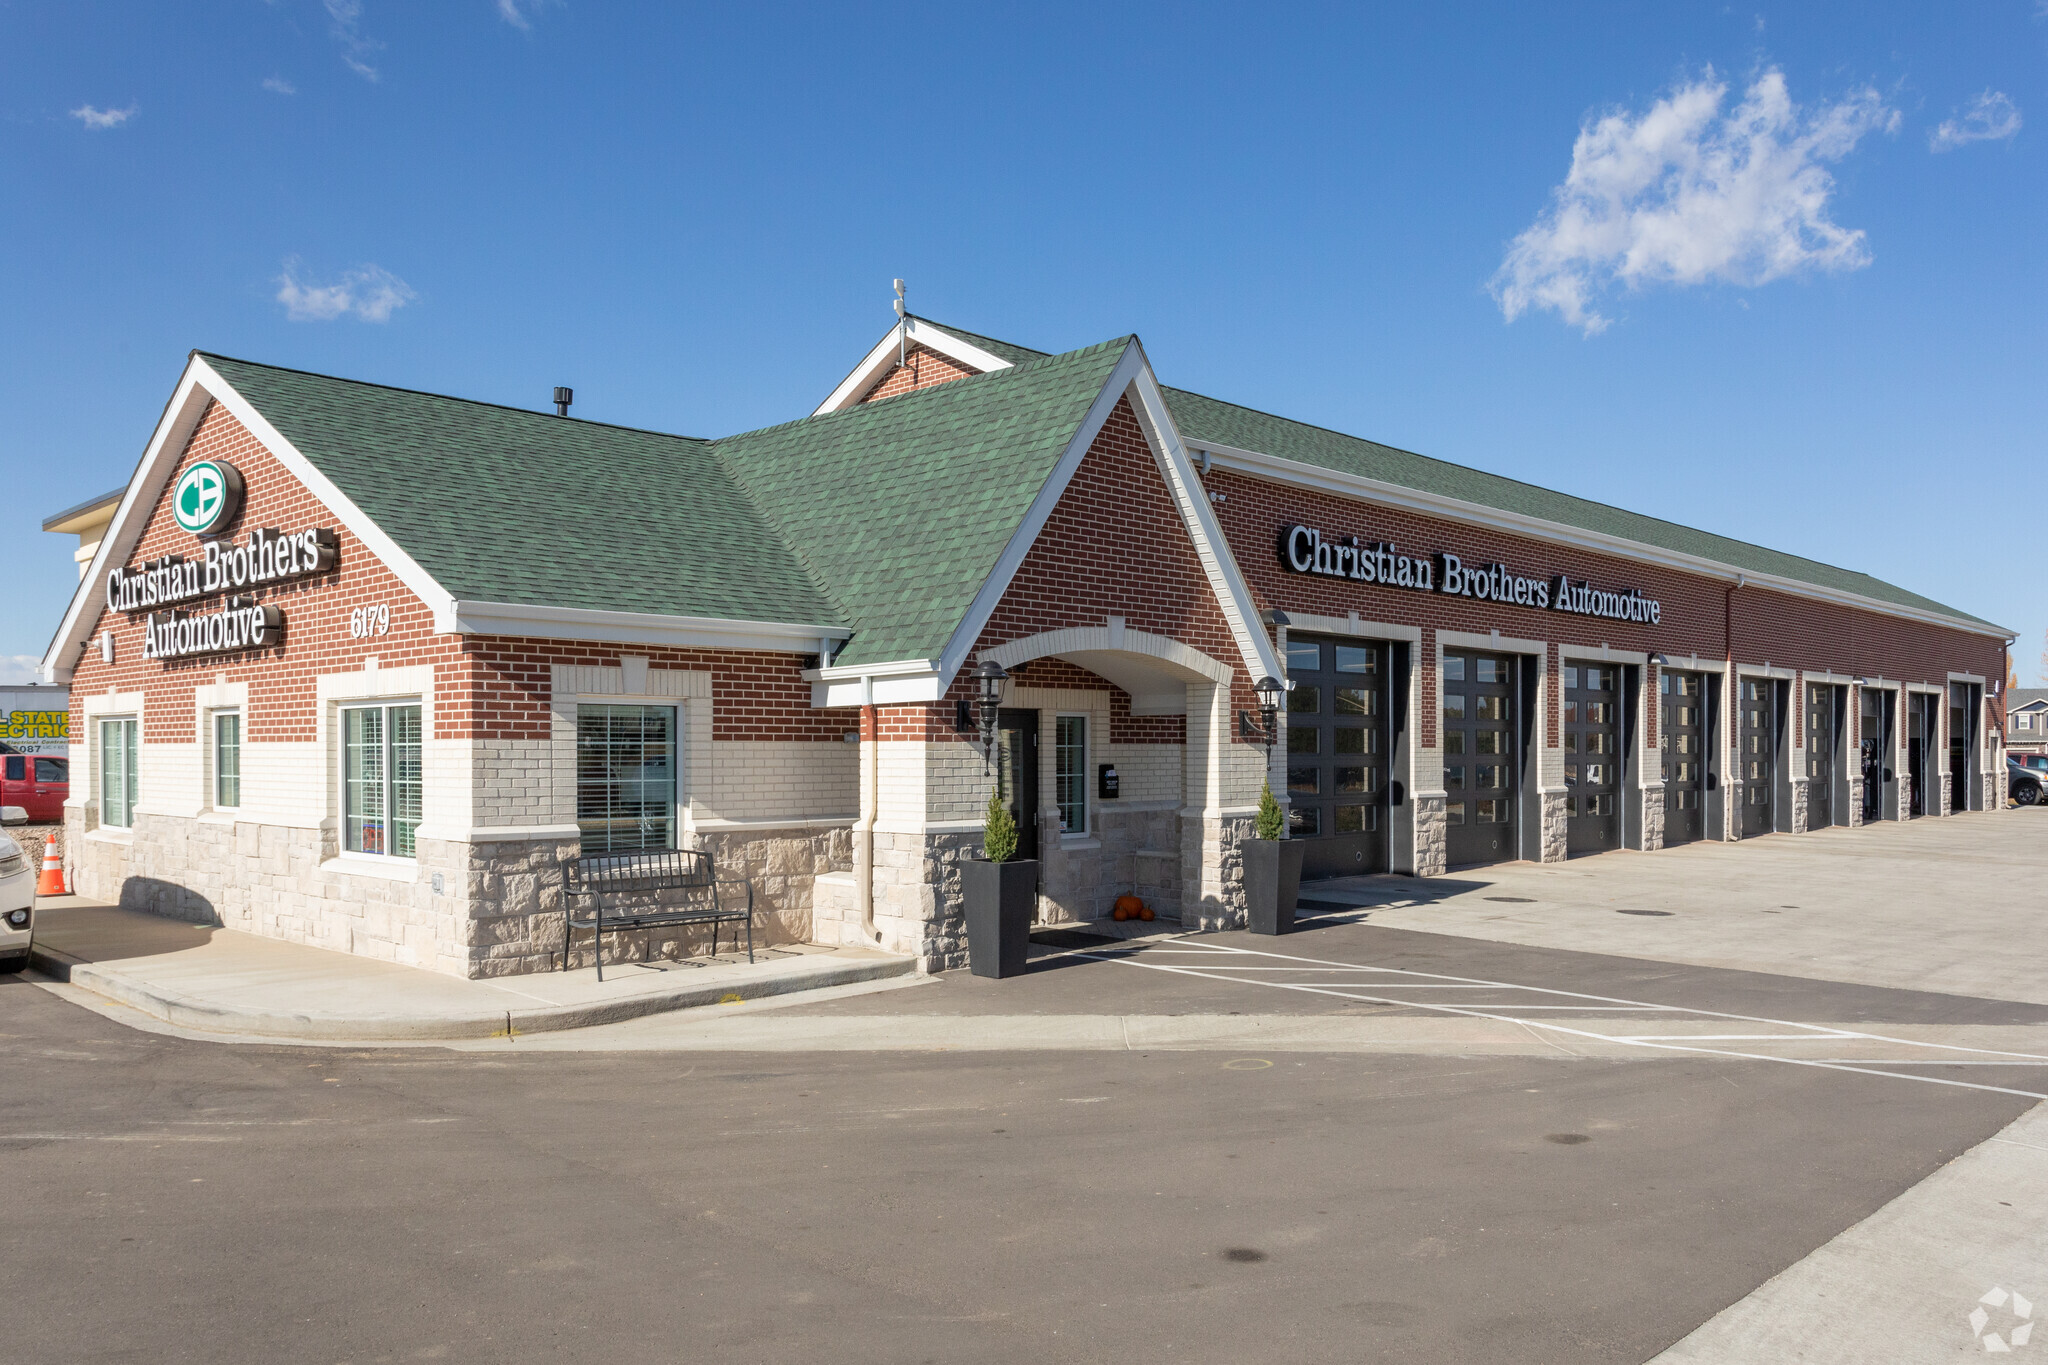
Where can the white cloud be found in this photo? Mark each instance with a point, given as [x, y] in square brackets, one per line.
[279, 85]
[520, 13]
[1990, 117]
[1687, 193]
[101, 119]
[368, 292]
[19, 670]
[355, 48]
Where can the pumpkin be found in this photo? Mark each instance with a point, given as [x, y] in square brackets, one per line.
[1129, 906]
[1145, 913]
[1120, 913]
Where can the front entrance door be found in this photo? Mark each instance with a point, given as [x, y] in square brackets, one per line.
[1337, 746]
[1922, 712]
[1962, 738]
[1880, 784]
[1682, 737]
[1592, 757]
[1823, 734]
[1482, 754]
[1759, 722]
[1017, 774]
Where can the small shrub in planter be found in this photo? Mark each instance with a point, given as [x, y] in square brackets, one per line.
[1001, 892]
[1272, 870]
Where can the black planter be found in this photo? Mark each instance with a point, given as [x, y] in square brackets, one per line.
[1272, 883]
[1000, 901]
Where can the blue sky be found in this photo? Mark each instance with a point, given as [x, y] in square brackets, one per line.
[1775, 272]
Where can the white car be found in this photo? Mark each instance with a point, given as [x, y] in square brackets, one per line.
[17, 904]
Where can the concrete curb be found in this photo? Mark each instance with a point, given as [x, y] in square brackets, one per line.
[210, 1017]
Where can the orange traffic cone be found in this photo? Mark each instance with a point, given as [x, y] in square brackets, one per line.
[51, 883]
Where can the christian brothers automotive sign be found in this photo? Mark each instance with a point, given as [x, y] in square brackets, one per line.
[206, 497]
[1304, 550]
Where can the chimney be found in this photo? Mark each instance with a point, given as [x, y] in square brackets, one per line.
[563, 398]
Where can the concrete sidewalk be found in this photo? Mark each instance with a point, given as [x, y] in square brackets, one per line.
[224, 982]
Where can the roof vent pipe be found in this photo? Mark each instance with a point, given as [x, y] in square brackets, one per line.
[563, 398]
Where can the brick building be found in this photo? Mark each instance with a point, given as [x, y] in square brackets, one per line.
[354, 666]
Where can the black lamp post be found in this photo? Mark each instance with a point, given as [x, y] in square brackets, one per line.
[1266, 729]
[989, 680]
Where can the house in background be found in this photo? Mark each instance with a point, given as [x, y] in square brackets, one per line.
[89, 522]
[2026, 720]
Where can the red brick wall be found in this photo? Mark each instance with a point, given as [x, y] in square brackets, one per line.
[1773, 627]
[485, 687]
[1115, 544]
[923, 369]
[316, 609]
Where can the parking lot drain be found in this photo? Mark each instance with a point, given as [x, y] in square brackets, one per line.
[1663, 913]
[1566, 1139]
[1245, 1255]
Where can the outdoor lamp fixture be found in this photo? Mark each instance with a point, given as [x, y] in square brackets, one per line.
[1660, 661]
[988, 684]
[1266, 729]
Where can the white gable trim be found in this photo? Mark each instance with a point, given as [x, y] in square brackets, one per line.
[200, 385]
[882, 359]
[1132, 378]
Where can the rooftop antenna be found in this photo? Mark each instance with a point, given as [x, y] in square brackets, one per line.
[902, 329]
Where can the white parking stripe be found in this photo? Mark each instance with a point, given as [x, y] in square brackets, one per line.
[1642, 1041]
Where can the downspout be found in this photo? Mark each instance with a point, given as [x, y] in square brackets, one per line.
[870, 802]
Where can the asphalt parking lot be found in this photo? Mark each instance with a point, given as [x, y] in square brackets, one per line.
[634, 1194]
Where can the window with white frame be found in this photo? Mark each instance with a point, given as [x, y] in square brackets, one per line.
[625, 777]
[1070, 772]
[119, 752]
[380, 778]
[227, 759]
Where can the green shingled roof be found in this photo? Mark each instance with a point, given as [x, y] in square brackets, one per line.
[1203, 420]
[505, 505]
[903, 506]
[885, 518]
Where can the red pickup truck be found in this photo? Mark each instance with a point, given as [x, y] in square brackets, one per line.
[38, 783]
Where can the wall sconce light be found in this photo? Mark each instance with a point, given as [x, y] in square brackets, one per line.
[1266, 729]
[989, 680]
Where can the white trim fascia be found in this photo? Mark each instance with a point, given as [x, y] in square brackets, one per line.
[1274, 469]
[871, 691]
[200, 383]
[975, 620]
[630, 627]
[1977, 678]
[854, 672]
[1743, 670]
[1311, 624]
[1131, 378]
[1601, 654]
[1226, 581]
[882, 358]
[1495, 641]
[1693, 663]
[1825, 677]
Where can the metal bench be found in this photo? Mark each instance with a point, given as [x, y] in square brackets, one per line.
[648, 880]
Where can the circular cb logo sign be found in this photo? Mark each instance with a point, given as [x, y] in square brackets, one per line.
[207, 496]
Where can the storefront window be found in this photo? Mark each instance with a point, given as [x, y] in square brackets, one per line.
[227, 760]
[1070, 772]
[380, 779]
[626, 777]
[118, 755]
